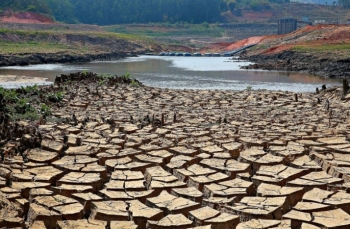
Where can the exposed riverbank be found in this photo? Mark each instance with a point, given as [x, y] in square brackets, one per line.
[327, 67]
[50, 58]
[41, 44]
[323, 50]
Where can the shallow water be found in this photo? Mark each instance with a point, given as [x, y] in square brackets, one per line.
[184, 72]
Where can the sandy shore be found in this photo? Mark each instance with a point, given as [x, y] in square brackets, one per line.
[14, 81]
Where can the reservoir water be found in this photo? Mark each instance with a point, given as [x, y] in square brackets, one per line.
[184, 73]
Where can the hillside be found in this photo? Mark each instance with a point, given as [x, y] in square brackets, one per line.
[23, 44]
[322, 50]
[110, 12]
[301, 11]
[36, 6]
[25, 17]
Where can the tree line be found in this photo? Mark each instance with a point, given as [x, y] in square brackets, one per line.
[141, 11]
[107, 12]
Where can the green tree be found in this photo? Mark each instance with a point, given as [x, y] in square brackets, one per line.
[345, 3]
[232, 5]
[62, 10]
[37, 6]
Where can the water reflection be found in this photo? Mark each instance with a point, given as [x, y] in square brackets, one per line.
[184, 72]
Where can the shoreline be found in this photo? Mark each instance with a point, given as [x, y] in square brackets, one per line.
[288, 61]
[307, 82]
[18, 81]
[25, 59]
[301, 62]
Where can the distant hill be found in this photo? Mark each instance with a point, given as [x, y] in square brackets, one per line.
[301, 11]
[109, 12]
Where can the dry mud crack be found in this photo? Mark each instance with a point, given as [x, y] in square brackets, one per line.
[141, 157]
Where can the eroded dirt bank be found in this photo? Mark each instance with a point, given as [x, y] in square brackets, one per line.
[322, 50]
[48, 58]
[325, 66]
[23, 44]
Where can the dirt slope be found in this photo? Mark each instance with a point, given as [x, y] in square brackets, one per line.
[322, 50]
[26, 18]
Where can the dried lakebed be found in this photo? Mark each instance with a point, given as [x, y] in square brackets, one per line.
[143, 157]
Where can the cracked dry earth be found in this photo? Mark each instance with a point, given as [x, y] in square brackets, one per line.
[141, 157]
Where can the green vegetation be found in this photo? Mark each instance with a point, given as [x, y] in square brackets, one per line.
[45, 110]
[345, 3]
[62, 10]
[108, 12]
[37, 6]
[50, 41]
[33, 102]
[328, 51]
[28, 47]
[55, 97]
[34, 35]
[23, 103]
[323, 48]
[134, 83]
[126, 76]
[256, 5]
[140, 11]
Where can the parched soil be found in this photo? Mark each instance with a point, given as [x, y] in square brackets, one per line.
[117, 154]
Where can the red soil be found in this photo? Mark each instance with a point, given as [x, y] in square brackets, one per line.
[224, 46]
[245, 42]
[277, 49]
[309, 35]
[27, 18]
